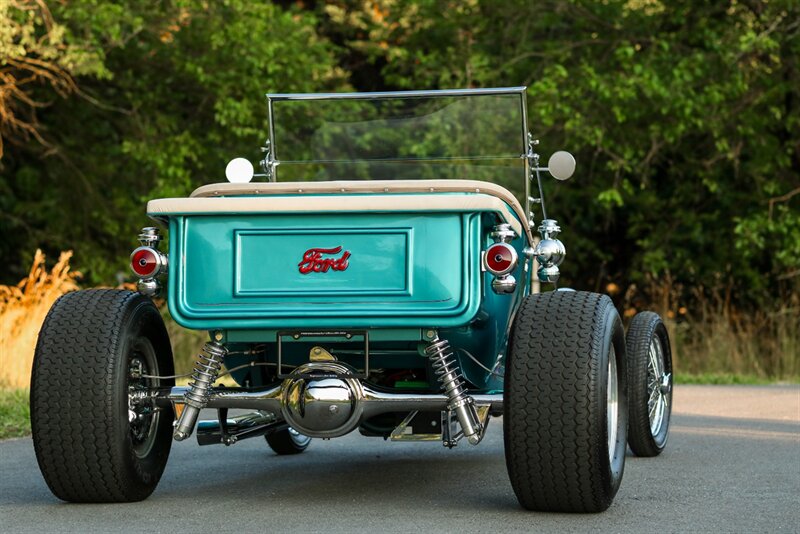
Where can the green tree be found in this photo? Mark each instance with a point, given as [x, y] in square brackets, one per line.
[683, 116]
[177, 90]
[33, 54]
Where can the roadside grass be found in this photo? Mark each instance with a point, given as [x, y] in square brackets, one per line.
[729, 379]
[717, 349]
[714, 342]
[15, 413]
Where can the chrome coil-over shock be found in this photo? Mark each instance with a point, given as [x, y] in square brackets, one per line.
[446, 369]
[209, 362]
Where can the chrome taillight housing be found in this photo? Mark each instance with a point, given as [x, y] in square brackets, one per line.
[147, 262]
[500, 259]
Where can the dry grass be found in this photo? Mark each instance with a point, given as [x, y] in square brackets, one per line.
[712, 338]
[763, 345]
[22, 310]
[24, 306]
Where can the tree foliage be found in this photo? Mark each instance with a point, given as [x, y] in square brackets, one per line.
[34, 52]
[180, 88]
[683, 117]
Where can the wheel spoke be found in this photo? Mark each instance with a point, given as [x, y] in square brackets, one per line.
[657, 401]
[652, 410]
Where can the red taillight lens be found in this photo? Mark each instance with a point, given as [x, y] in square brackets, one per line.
[145, 262]
[500, 259]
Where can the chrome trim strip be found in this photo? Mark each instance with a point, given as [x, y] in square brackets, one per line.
[396, 94]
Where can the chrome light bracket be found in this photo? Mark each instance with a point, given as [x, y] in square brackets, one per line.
[502, 233]
[149, 287]
[150, 237]
[504, 285]
[549, 252]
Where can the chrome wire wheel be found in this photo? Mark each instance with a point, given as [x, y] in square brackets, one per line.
[612, 404]
[659, 387]
[650, 384]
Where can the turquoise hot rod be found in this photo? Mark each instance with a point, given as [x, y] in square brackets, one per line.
[381, 276]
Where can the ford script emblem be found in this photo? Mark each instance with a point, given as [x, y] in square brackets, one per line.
[314, 262]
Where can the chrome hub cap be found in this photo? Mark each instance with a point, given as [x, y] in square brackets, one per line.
[612, 404]
[142, 413]
[659, 387]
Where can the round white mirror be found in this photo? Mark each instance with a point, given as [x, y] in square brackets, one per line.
[561, 165]
[239, 171]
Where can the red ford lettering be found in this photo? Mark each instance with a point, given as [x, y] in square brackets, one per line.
[313, 260]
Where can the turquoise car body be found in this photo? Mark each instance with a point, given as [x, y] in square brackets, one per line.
[410, 275]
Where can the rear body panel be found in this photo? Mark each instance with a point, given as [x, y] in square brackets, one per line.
[258, 270]
[403, 270]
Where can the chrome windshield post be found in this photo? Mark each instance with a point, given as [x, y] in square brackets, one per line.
[269, 162]
[533, 171]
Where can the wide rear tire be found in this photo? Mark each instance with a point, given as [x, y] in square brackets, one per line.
[92, 349]
[565, 414]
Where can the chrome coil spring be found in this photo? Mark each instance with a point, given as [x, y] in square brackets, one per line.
[446, 369]
[209, 362]
[205, 372]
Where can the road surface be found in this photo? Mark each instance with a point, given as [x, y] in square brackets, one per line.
[732, 465]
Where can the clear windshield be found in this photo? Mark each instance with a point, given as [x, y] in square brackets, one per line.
[470, 134]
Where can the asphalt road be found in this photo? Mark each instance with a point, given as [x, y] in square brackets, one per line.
[732, 465]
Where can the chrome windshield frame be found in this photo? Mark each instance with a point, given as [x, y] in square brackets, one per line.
[520, 90]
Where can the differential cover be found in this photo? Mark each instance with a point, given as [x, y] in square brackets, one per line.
[322, 405]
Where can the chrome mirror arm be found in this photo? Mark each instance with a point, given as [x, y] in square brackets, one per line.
[532, 159]
[549, 252]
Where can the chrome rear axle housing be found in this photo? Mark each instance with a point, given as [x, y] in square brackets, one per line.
[324, 400]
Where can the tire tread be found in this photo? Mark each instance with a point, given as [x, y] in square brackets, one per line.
[553, 450]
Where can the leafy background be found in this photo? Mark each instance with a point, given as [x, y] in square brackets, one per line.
[683, 117]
